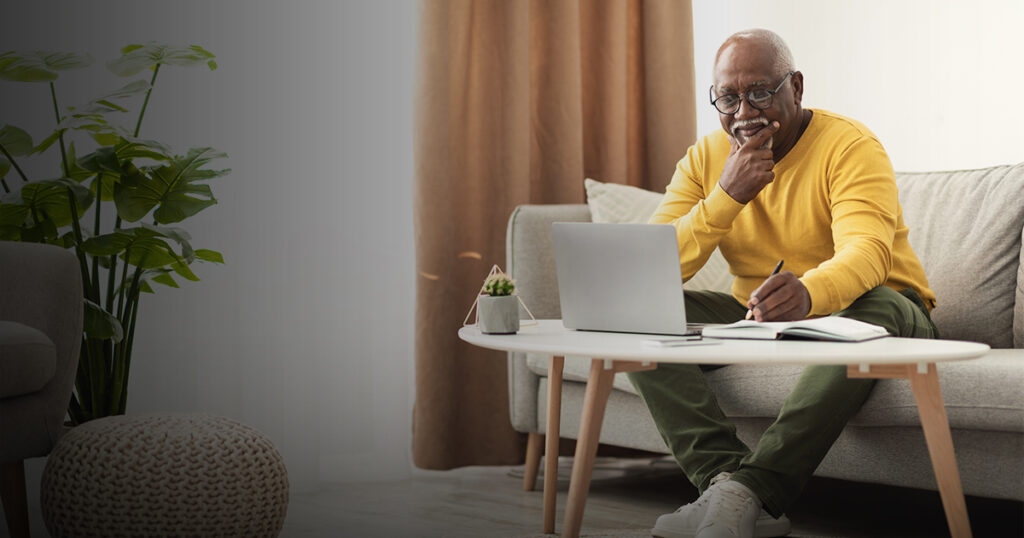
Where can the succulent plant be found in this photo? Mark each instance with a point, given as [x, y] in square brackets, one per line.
[499, 284]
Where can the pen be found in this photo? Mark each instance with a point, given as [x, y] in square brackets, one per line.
[775, 271]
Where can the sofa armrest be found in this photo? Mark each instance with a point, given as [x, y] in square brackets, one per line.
[530, 261]
[42, 289]
[1018, 305]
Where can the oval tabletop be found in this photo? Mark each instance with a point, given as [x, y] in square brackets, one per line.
[550, 337]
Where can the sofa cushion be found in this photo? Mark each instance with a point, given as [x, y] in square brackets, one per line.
[28, 359]
[965, 227]
[981, 394]
[614, 203]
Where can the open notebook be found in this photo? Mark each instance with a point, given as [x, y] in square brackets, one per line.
[828, 328]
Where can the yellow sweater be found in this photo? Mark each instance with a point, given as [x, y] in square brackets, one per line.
[832, 214]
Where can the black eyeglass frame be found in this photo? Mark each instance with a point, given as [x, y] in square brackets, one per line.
[741, 97]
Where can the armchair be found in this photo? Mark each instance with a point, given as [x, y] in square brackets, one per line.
[41, 318]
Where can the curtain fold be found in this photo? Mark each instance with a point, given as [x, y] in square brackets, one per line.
[516, 103]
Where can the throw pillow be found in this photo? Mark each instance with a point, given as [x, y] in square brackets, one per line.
[615, 203]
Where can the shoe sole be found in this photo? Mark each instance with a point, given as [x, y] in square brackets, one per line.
[766, 528]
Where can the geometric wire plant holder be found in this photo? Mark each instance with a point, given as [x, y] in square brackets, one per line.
[496, 271]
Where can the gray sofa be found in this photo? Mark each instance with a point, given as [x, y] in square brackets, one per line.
[966, 226]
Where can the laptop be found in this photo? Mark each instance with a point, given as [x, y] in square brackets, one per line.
[620, 278]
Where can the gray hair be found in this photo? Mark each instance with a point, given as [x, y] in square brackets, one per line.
[780, 51]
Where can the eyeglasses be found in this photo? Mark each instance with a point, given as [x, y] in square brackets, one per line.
[760, 99]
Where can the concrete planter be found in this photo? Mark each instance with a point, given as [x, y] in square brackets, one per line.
[499, 315]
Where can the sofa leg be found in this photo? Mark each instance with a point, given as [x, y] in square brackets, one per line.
[15, 501]
[534, 446]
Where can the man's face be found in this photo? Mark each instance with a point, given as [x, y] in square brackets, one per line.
[743, 67]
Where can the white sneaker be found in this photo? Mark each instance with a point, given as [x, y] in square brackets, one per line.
[685, 521]
[735, 512]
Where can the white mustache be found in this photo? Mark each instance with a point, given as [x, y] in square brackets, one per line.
[740, 124]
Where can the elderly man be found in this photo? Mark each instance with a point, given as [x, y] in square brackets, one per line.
[778, 182]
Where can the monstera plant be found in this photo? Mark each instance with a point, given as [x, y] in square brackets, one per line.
[110, 196]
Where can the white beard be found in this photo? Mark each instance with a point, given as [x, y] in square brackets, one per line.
[743, 140]
[767, 145]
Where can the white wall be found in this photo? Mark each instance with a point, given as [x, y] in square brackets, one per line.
[306, 332]
[914, 71]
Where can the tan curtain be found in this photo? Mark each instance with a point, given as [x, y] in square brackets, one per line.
[517, 102]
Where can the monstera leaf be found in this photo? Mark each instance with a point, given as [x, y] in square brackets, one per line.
[92, 116]
[39, 65]
[172, 189]
[135, 58]
[99, 323]
[48, 199]
[109, 164]
[144, 246]
[12, 217]
[15, 140]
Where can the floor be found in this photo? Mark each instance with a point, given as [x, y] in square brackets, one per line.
[626, 496]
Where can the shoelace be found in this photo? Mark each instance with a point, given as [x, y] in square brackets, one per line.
[731, 504]
[703, 499]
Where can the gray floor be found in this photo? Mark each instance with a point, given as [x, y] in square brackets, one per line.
[626, 497]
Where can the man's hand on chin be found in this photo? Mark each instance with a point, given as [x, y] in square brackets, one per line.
[748, 168]
[781, 298]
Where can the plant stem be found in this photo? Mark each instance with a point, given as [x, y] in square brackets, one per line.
[121, 291]
[93, 384]
[75, 411]
[82, 382]
[63, 152]
[123, 404]
[97, 381]
[120, 349]
[76, 226]
[119, 381]
[119, 377]
[145, 102]
[95, 233]
[112, 270]
[126, 361]
[14, 163]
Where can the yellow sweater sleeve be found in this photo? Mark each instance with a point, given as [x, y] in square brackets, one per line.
[700, 221]
[864, 206]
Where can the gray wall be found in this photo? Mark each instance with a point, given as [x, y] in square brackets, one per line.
[306, 332]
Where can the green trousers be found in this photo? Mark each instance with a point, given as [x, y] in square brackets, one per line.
[704, 442]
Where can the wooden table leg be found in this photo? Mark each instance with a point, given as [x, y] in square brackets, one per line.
[555, 366]
[940, 446]
[599, 386]
[534, 447]
[932, 411]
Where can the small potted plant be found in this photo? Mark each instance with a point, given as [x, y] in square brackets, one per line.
[498, 308]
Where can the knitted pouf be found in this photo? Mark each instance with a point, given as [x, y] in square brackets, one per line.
[164, 475]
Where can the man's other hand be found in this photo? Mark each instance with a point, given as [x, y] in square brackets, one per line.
[780, 298]
[748, 168]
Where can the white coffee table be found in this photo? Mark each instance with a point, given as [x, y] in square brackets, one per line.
[906, 358]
